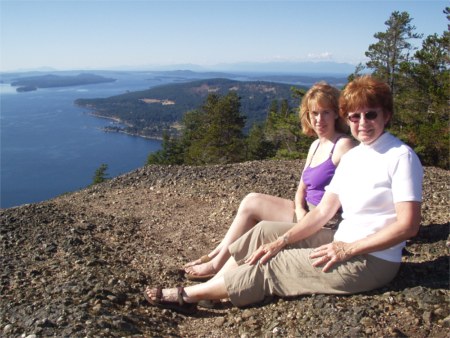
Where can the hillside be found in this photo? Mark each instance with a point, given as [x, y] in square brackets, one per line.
[150, 112]
[76, 265]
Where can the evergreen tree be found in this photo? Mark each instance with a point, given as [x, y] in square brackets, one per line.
[357, 72]
[419, 82]
[283, 129]
[219, 137]
[211, 134]
[258, 146]
[422, 105]
[172, 152]
[430, 75]
[100, 174]
[392, 49]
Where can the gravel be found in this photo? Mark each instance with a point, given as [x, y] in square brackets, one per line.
[76, 265]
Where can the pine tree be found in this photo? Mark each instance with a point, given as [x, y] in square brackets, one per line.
[100, 174]
[422, 105]
[219, 137]
[171, 152]
[284, 132]
[392, 49]
[258, 146]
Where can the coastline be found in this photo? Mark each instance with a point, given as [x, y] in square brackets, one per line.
[121, 130]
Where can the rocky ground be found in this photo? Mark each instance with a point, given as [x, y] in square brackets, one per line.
[76, 265]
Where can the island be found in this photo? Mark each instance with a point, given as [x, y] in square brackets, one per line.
[26, 89]
[25, 84]
[152, 112]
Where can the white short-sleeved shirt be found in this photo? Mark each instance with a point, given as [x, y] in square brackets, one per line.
[369, 180]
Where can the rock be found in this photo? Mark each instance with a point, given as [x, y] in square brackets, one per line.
[219, 321]
[7, 329]
[76, 265]
[446, 322]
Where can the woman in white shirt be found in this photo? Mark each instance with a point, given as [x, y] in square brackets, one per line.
[378, 184]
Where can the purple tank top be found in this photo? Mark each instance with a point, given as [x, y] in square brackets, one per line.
[318, 177]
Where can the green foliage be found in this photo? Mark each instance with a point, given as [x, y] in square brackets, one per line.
[171, 152]
[100, 174]
[431, 149]
[357, 72]
[212, 134]
[218, 136]
[419, 79]
[420, 83]
[150, 112]
[283, 130]
[258, 146]
[288, 155]
[393, 48]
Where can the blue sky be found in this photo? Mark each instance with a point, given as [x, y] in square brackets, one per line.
[106, 34]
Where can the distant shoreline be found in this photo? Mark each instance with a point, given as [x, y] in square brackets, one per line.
[120, 130]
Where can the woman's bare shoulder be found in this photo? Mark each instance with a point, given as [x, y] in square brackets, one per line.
[346, 142]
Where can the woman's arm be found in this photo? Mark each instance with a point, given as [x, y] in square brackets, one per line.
[300, 201]
[406, 226]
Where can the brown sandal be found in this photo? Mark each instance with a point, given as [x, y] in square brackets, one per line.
[199, 278]
[181, 306]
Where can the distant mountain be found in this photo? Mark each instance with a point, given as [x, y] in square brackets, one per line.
[316, 68]
[148, 113]
[294, 68]
[319, 68]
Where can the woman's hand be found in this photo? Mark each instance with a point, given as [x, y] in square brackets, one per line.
[331, 253]
[266, 251]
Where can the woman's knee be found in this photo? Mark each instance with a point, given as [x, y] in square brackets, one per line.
[252, 197]
[251, 201]
[272, 230]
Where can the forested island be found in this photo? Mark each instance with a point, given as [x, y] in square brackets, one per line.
[150, 113]
[31, 83]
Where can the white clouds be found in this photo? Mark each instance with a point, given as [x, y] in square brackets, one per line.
[320, 56]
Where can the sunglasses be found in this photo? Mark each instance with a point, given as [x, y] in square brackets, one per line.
[369, 115]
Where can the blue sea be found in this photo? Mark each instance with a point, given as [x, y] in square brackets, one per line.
[49, 146]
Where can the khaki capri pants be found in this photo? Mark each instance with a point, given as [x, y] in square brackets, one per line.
[290, 272]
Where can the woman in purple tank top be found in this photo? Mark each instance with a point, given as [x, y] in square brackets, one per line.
[318, 177]
[319, 116]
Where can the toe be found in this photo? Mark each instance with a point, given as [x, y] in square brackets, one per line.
[153, 294]
[192, 263]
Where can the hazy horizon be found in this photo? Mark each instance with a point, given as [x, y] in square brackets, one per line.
[133, 34]
[294, 68]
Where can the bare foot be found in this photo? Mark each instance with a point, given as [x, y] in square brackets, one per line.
[202, 269]
[201, 260]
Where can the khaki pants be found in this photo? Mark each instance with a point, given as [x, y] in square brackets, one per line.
[290, 272]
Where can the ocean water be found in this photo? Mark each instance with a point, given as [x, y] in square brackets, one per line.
[49, 146]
